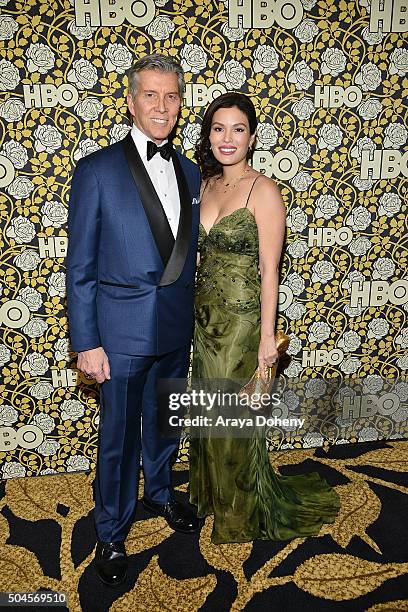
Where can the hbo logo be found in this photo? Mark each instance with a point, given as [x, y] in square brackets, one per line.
[284, 164]
[46, 96]
[27, 436]
[327, 236]
[201, 95]
[319, 358]
[114, 12]
[383, 163]
[333, 96]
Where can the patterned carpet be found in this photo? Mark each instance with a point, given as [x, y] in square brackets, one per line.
[360, 563]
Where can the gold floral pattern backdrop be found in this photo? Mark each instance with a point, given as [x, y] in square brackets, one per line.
[329, 81]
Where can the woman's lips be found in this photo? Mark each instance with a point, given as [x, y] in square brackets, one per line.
[227, 150]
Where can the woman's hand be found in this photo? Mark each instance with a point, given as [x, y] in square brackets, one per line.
[267, 355]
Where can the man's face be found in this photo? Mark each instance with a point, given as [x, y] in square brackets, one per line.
[156, 103]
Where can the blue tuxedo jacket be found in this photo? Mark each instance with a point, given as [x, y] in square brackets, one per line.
[130, 284]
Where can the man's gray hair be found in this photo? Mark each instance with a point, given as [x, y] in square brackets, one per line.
[158, 62]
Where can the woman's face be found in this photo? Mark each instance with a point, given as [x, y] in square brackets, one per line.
[230, 136]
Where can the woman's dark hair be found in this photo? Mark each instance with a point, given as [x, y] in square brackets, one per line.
[208, 164]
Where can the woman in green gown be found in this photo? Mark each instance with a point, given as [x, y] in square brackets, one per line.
[240, 243]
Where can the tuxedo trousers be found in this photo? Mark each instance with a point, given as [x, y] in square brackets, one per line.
[129, 429]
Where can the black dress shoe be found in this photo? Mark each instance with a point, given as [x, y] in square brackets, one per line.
[111, 562]
[178, 516]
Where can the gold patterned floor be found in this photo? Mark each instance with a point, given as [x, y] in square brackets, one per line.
[358, 563]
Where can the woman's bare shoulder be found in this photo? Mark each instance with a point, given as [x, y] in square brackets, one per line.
[207, 184]
[266, 190]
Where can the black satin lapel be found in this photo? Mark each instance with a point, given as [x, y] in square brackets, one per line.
[153, 208]
[177, 260]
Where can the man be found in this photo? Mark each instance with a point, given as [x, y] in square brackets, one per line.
[133, 230]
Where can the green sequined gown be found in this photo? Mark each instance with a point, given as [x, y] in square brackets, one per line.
[230, 477]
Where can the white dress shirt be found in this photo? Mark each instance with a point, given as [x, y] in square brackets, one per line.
[163, 177]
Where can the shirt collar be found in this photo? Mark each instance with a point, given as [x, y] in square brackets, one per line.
[140, 139]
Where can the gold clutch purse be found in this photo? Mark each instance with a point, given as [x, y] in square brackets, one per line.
[257, 384]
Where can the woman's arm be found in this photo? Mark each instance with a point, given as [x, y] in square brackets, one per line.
[270, 216]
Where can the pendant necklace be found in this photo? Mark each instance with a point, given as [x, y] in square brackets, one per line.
[235, 182]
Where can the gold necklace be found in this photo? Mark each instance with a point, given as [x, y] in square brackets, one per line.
[235, 182]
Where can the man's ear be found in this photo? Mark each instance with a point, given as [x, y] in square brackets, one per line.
[129, 101]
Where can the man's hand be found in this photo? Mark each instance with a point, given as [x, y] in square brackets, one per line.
[94, 364]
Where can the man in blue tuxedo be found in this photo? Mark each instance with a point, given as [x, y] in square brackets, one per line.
[133, 228]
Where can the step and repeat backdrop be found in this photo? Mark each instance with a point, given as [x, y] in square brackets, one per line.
[329, 82]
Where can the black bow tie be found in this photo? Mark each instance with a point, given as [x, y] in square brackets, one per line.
[165, 150]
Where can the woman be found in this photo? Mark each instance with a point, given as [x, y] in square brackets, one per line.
[241, 236]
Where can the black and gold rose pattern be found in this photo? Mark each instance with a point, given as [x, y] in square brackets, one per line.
[43, 135]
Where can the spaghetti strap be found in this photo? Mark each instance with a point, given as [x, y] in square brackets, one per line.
[249, 194]
[205, 187]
